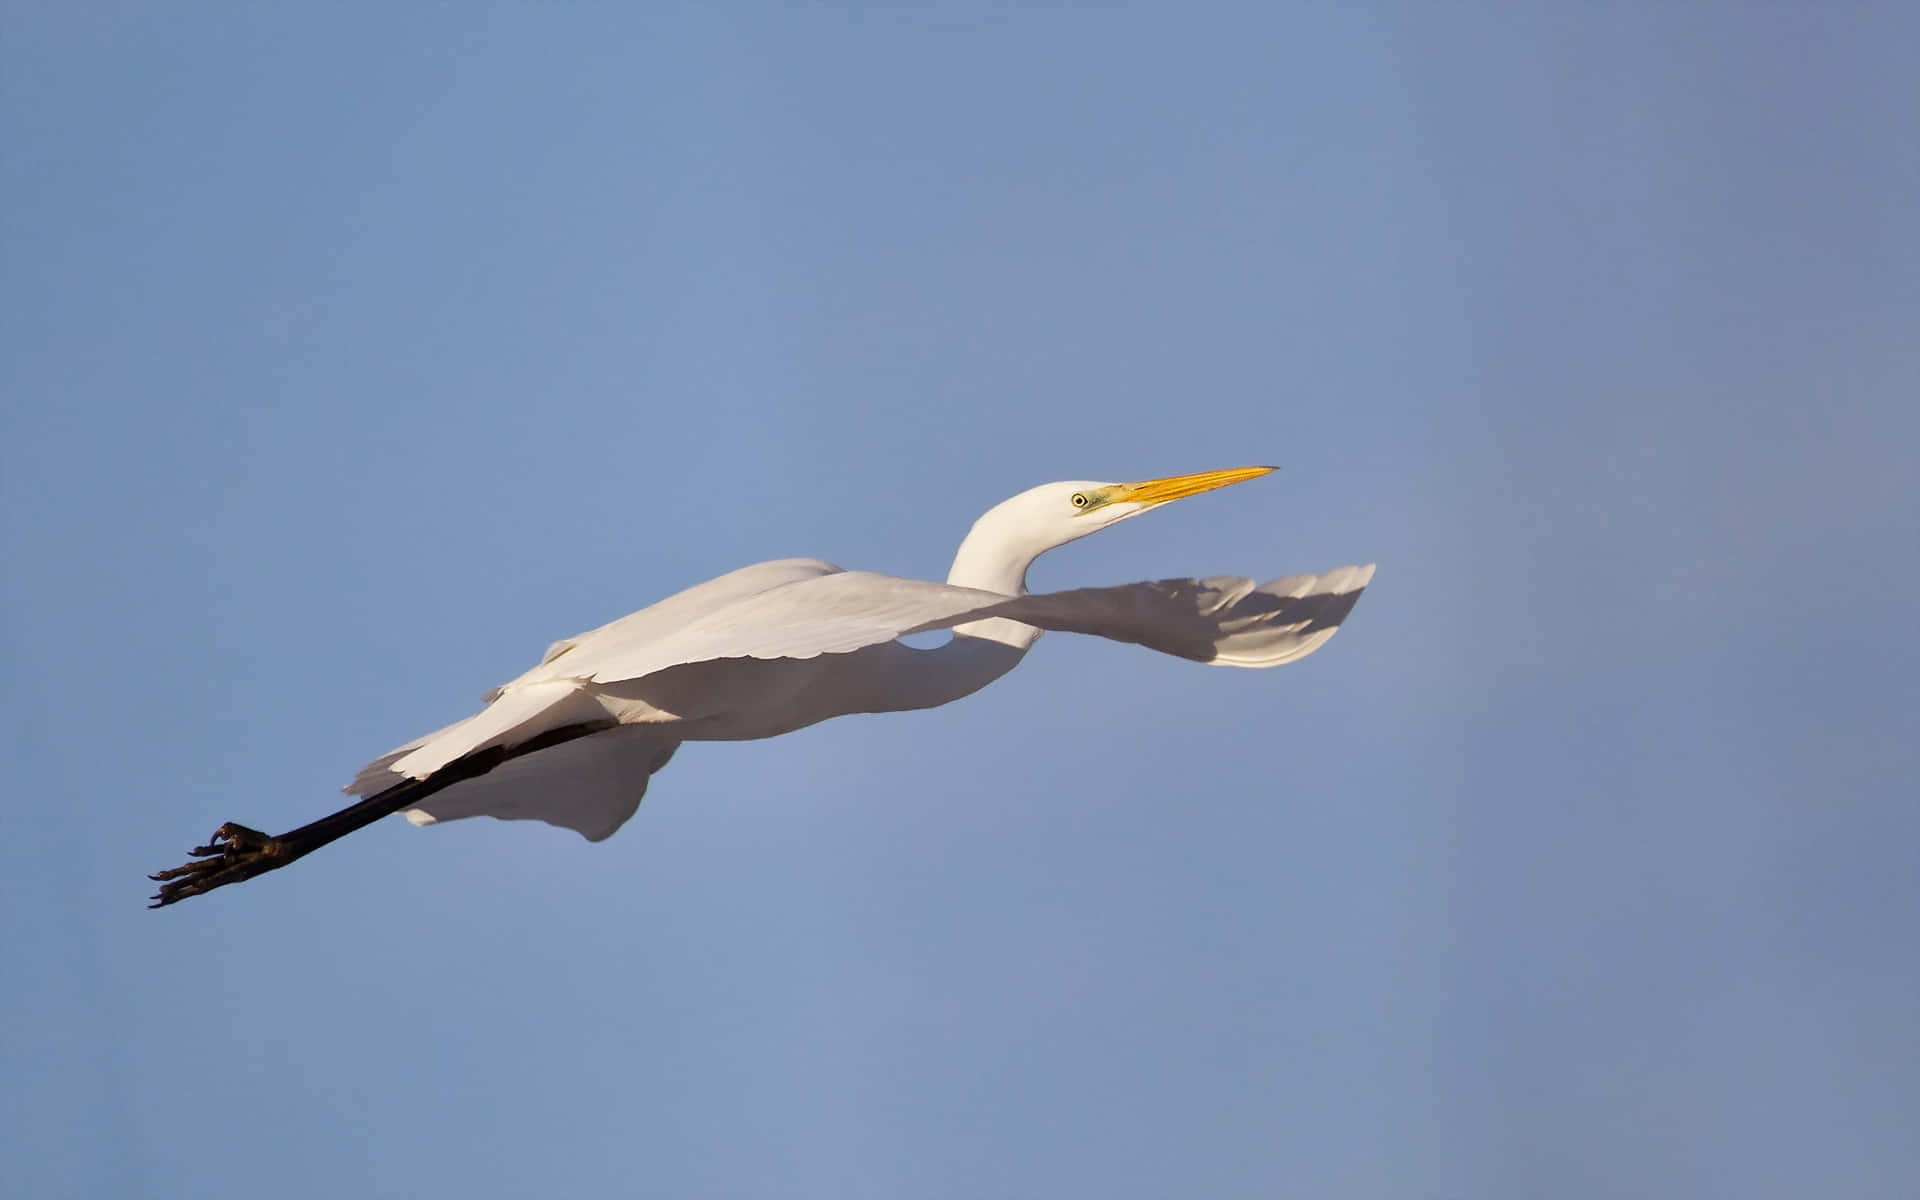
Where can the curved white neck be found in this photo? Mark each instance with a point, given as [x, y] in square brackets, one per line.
[988, 561]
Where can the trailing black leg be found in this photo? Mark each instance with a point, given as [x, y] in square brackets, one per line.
[236, 853]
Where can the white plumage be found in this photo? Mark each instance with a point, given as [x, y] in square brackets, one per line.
[781, 645]
[831, 652]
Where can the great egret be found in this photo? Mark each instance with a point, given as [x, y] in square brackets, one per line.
[775, 647]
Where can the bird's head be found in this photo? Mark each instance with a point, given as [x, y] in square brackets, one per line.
[1011, 534]
[1083, 506]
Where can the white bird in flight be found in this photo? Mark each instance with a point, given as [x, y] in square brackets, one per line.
[778, 646]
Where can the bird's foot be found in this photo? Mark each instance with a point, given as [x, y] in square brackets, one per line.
[233, 854]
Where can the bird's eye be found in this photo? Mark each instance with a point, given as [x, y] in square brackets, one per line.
[1081, 500]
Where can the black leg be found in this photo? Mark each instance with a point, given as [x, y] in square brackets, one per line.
[237, 853]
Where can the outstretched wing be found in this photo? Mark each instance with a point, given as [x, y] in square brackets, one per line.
[801, 609]
[517, 710]
[657, 623]
[1223, 620]
[590, 785]
[1229, 621]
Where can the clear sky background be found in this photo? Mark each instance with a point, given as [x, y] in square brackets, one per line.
[354, 352]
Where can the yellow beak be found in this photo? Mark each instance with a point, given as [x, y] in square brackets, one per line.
[1159, 491]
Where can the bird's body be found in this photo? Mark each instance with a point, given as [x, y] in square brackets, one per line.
[781, 645]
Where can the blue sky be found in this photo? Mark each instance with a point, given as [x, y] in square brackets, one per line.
[354, 353]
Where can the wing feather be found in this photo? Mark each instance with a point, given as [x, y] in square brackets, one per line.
[550, 695]
[831, 614]
[590, 785]
[657, 622]
[1224, 620]
[804, 608]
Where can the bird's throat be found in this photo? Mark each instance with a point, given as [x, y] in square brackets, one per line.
[991, 562]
